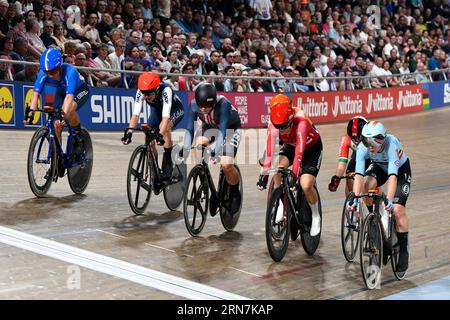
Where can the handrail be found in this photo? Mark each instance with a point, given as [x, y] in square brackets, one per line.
[428, 72]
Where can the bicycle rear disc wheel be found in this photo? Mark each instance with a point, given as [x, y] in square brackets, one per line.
[174, 193]
[196, 201]
[229, 220]
[41, 169]
[80, 174]
[309, 243]
[350, 227]
[370, 252]
[277, 230]
[139, 180]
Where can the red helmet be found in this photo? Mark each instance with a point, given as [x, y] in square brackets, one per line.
[148, 82]
[279, 99]
[281, 111]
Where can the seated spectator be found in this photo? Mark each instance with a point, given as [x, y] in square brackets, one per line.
[171, 62]
[6, 45]
[47, 35]
[228, 84]
[155, 59]
[18, 28]
[116, 58]
[186, 83]
[112, 79]
[80, 61]
[135, 76]
[419, 76]
[392, 81]
[36, 45]
[172, 81]
[29, 73]
[19, 53]
[213, 63]
[58, 36]
[5, 70]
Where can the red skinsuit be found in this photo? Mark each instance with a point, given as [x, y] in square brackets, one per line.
[302, 135]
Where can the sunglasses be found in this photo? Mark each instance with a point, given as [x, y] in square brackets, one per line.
[205, 106]
[52, 72]
[374, 142]
[149, 93]
[283, 126]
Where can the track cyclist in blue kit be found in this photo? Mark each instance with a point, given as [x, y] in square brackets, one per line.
[166, 112]
[389, 164]
[71, 93]
[217, 113]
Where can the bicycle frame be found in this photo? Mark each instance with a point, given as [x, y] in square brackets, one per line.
[151, 135]
[209, 179]
[292, 202]
[378, 199]
[52, 116]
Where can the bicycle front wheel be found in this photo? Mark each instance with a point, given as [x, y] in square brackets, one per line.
[277, 225]
[350, 226]
[370, 251]
[139, 180]
[41, 162]
[196, 201]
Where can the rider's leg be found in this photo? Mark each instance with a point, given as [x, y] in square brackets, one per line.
[232, 177]
[167, 163]
[402, 227]
[230, 171]
[370, 183]
[307, 183]
[348, 186]
[283, 162]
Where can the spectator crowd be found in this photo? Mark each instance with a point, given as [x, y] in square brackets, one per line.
[392, 42]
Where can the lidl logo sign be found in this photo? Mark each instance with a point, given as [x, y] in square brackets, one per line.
[6, 105]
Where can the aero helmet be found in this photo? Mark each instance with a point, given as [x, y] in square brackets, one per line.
[206, 95]
[374, 134]
[148, 82]
[281, 111]
[355, 126]
[50, 59]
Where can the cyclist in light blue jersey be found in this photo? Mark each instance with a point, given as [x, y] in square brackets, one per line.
[389, 164]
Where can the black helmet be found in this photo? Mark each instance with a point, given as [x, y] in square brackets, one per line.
[206, 95]
[355, 126]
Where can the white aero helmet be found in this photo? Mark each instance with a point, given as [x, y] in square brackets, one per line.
[374, 134]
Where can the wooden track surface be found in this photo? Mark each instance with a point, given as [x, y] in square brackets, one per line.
[238, 262]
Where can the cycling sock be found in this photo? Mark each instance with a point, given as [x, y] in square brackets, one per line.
[234, 188]
[315, 208]
[76, 129]
[403, 241]
[167, 159]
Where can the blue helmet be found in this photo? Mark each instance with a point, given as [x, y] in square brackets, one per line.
[51, 59]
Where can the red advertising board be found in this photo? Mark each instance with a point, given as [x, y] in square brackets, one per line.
[253, 108]
[343, 105]
[330, 106]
